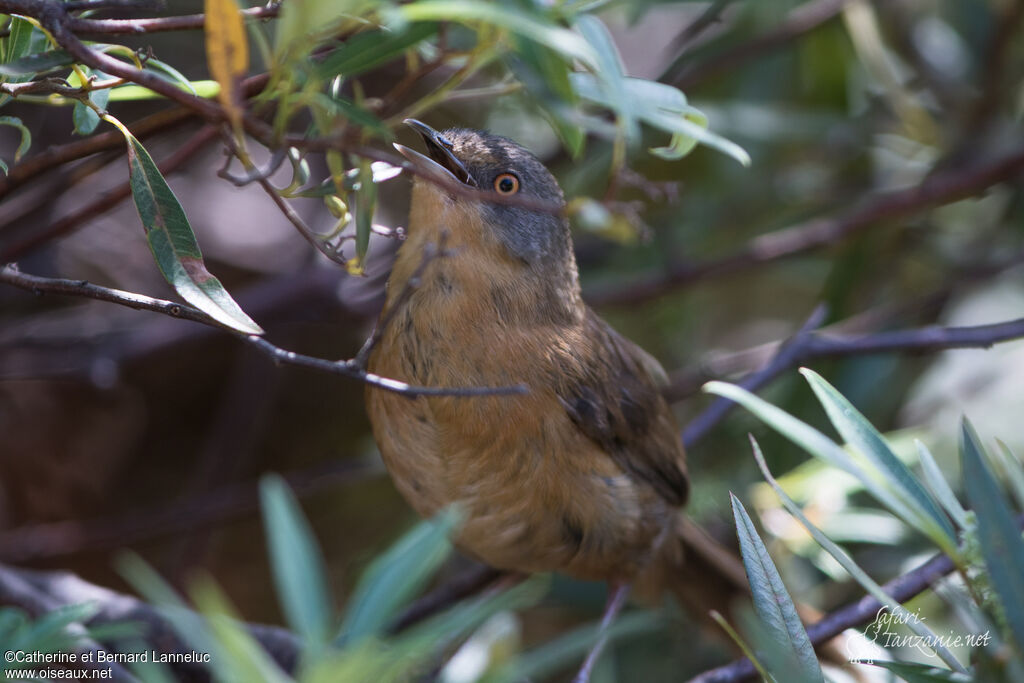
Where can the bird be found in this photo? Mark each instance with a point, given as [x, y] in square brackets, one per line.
[584, 473]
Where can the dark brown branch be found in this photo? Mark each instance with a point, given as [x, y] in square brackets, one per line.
[787, 356]
[801, 20]
[180, 23]
[344, 368]
[808, 345]
[944, 188]
[56, 155]
[55, 18]
[107, 200]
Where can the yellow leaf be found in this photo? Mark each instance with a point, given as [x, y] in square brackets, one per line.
[227, 53]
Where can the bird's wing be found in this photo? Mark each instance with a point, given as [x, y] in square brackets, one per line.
[612, 395]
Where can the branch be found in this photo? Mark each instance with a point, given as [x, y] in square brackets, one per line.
[786, 357]
[41, 592]
[344, 368]
[107, 200]
[801, 20]
[179, 23]
[808, 345]
[18, 587]
[943, 188]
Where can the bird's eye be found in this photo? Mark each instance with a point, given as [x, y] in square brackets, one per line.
[506, 183]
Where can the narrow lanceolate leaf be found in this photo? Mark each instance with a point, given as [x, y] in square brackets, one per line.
[812, 441]
[998, 532]
[299, 570]
[913, 623]
[174, 245]
[227, 53]
[940, 487]
[366, 202]
[396, 576]
[772, 601]
[859, 433]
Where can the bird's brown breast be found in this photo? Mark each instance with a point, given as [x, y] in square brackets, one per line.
[540, 488]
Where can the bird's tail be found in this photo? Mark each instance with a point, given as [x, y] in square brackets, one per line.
[699, 571]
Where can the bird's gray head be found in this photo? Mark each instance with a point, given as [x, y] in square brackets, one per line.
[494, 164]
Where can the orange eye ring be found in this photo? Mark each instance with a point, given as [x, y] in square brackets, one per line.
[506, 183]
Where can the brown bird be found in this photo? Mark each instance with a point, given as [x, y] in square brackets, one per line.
[585, 473]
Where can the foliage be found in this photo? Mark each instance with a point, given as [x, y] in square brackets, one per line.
[985, 544]
[358, 645]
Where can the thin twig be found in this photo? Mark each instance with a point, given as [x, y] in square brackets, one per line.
[430, 254]
[159, 24]
[344, 368]
[787, 356]
[943, 188]
[808, 345]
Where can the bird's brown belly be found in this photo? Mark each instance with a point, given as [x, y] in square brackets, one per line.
[536, 493]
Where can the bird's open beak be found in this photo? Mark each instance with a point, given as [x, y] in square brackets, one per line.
[441, 162]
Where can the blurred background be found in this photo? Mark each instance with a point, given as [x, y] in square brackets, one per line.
[124, 429]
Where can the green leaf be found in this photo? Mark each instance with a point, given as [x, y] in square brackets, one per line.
[174, 245]
[299, 572]
[546, 77]
[940, 487]
[928, 638]
[772, 601]
[18, 42]
[169, 73]
[1013, 469]
[37, 64]
[563, 41]
[999, 534]
[543, 662]
[303, 22]
[190, 626]
[240, 657]
[812, 441]
[396, 576]
[922, 673]
[85, 118]
[365, 202]
[369, 49]
[609, 73]
[665, 108]
[860, 434]
[26, 136]
[131, 93]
